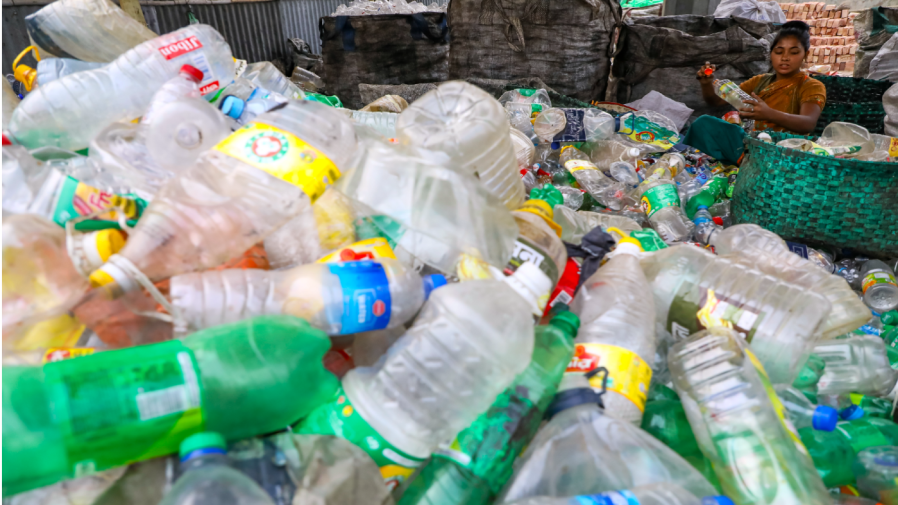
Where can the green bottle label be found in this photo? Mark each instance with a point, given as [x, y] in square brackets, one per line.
[78, 199]
[659, 197]
[860, 434]
[341, 419]
[695, 308]
[649, 239]
[143, 400]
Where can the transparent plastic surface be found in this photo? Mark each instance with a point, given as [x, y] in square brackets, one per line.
[382, 122]
[665, 493]
[50, 69]
[29, 185]
[575, 224]
[294, 243]
[876, 470]
[470, 126]
[799, 409]
[879, 286]
[70, 111]
[535, 231]
[265, 75]
[739, 424]
[838, 134]
[616, 309]
[88, 30]
[210, 480]
[757, 248]
[467, 345]
[182, 130]
[523, 149]
[671, 221]
[312, 292]
[781, 319]
[858, 364]
[606, 190]
[549, 123]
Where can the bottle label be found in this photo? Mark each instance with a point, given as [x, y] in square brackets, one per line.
[366, 296]
[628, 374]
[660, 197]
[527, 251]
[364, 249]
[283, 155]
[644, 131]
[341, 419]
[78, 199]
[861, 434]
[148, 397]
[574, 130]
[577, 165]
[193, 48]
[649, 239]
[878, 276]
[60, 353]
[695, 308]
[893, 147]
[612, 498]
[775, 401]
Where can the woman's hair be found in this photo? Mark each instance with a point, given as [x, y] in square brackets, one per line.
[798, 29]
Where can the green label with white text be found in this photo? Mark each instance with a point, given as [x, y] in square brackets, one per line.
[659, 197]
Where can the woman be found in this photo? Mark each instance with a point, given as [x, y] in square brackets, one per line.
[785, 100]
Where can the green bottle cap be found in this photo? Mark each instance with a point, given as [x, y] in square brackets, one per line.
[568, 322]
[548, 194]
[204, 440]
[890, 318]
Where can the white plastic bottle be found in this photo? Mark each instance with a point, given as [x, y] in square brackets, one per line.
[338, 298]
[583, 451]
[858, 364]
[739, 422]
[70, 111]
[265, 75]
[662, 493]
[879, 286]
[207, 477]
[803, 413]
[661, 203]
[236, 194]
[695, 289]
[184, 85]
[757, 248]
[470, 126]
[467, 345]
[617, 331]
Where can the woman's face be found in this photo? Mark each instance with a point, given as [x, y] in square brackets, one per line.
[787, 55]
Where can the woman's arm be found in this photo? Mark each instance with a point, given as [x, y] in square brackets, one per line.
[803, 122]
[706, 81]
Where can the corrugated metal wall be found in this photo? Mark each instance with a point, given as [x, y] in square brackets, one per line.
[14, 36]
[300, 18]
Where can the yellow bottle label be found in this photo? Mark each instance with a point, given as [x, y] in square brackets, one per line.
[893, 147]
[774, 399]
[628, 374]
[577, 165]
[61, 353]
[283, 155]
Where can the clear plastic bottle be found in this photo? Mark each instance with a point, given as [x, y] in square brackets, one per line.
[236, 194]
[539, 239]
[382, 122]
[731, 92]
[70, 111]
[858, 364]
[576, 224]
[607, 191]
[265, 75]
[50, 69]
[876, 470]
[467, 345]
[617, 312]
[846, 139]
[879, 286]
[259, 101]
[663, 493]
[470, 126]
[803, 413]
[207, 477]
[582, 451]
[705, 227]
[184, 85]
[523, 149]
[549, 123]
[182, 130]
[661, 203]
[695, 289]
[763, 250]
[88, 30]
[337, 298]
[739, 422]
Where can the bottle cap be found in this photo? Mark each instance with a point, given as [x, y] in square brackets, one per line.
[717, 220]
[194, 73]
[825, 418]
[232, 106]
[574, 390]
[555, 146]
[532, 284]
[26, 75]
[568, 322]
[90, 250]
[207, 442]
[717, 500]
[850, 413]
[890, 318]
[432, 282]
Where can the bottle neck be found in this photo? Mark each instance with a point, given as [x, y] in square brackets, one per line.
[195, 461]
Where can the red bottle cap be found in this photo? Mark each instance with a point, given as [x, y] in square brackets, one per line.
[193, 72]
[708, 71]
[718, 220]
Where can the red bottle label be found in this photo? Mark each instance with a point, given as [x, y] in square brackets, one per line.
[180, 47]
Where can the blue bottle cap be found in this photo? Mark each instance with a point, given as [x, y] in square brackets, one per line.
[825, 418]
[432, 282]
[851, 413]
[232, 106]
[717, 500]
[555, 146]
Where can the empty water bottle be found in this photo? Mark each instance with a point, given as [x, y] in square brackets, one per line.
[876, 469]
[859, 364]
[184, 85]
[661, 203]
[265, 75]
[609, 192]
[207, 477]
[834, 451]
[664, 493]
[704, 226]
[879, 286]
[802, 413]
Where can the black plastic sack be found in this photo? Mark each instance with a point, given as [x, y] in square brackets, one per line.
[382, 49]
[664, 54]
[564, 43]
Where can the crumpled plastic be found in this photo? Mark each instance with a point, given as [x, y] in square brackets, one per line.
[767, 12]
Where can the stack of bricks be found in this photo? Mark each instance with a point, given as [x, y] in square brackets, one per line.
[833, 40]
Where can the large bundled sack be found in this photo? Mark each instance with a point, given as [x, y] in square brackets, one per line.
[769, 12]
[564, 43]
[873, 28]
[663, 54]
[885, 63]
[890, 104]
[382, 49]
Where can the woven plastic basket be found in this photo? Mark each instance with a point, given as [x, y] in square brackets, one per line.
[818, 200]
[853, 89]
[870, 115]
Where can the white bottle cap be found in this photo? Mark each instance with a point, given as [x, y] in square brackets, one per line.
[532, 284]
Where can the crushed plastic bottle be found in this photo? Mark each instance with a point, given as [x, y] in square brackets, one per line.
[858, 364]
[665, 493]
[609, 192]
[661, 203]
[265, 75]
[879, 286]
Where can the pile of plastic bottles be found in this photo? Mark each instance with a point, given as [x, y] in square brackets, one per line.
[470, 301]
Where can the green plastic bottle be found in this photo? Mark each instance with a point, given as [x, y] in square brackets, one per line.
[809, 376]
[479, 462]
[866, 406]
[834, 451]
[75, 417]
[710, 194]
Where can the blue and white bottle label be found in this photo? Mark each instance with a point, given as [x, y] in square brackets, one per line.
[612, 498]
[366, 296]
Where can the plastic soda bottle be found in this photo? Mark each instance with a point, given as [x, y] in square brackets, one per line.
[803, 413]
[834, 451]
[876, 469]
[74, 417]
[879, 286]
[858, 364]
[208, 479]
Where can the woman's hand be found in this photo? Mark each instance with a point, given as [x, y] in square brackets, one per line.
[702, 76]
[756, 109]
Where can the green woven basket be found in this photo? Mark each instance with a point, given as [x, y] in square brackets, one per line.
[818, 200]
[870, 115]
[853, 89]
